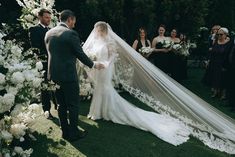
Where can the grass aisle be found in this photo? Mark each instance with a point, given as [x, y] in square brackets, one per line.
[106, 139]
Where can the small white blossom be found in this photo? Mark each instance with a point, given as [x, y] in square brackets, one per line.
[18, 150]
[2, 79]
[6, 135]
[17, 78]
[39, 66]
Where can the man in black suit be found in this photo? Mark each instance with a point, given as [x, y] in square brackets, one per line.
[63, 46]
[37, 35]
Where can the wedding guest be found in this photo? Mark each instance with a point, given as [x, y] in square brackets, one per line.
[177, 60]
[160, 54]
[36, 35]
[141, 41]
[218, 55]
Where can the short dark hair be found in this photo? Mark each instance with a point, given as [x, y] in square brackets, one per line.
[65, 14]
[42, 11]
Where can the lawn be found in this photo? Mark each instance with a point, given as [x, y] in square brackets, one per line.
[106, 139]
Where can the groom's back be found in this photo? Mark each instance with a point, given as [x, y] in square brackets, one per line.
[62, 61]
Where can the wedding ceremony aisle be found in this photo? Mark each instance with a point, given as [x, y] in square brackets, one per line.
[113, 140]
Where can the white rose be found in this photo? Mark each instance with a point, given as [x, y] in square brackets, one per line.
[29, 76]
[29, 17]
[39, 66]
[8, 99]
[17, 78]
[2, 79]
[7, 155]
[16, 51]
[37, 82]
[18, 130]
[18, 150]
[6, 135]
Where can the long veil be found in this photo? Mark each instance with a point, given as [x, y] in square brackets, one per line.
[153, 87]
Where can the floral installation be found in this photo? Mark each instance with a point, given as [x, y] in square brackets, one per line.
[20, 80]
[30, 10]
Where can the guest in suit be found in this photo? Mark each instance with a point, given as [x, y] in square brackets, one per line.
[63, 46]
[37, 34]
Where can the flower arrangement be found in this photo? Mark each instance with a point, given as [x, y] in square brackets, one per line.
[20, 80]
[167, 44]
[183, 48]
[145, 50]
[30, 10]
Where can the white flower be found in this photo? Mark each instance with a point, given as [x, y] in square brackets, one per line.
[18, 130]
[22, 139]
[6, 135]
[145, 50]
[29, 17]
[39, 66]
[16, 50]
[17, 78]
[2, 79]
[7, 155]
[37, 82]
[8, 99]
[18, 150]
[29, 76]
[12, 90]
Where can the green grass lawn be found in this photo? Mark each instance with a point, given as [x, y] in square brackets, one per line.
[106, 139]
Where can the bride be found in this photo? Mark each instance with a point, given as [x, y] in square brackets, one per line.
[180, 112]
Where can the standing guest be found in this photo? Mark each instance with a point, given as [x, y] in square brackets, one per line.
[176, 60]
[218, 55]
[36, 35]
[160, 55]
[141, 41]
[229, 64]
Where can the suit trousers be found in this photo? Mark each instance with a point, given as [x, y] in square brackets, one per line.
[68, 103]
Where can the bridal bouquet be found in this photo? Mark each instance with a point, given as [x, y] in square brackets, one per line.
[145, 50]
[30, 10]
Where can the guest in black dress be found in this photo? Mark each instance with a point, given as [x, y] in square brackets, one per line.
[217, 59]
[160, 55]
[176, 59]
[141, 41]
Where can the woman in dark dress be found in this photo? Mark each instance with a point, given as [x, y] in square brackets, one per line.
[176, 59]
[160, 55]
[141, 41]
[217, 58]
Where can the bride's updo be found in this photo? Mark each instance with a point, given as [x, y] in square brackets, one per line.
[101, 28]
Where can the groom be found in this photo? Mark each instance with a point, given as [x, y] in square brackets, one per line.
[63, 46]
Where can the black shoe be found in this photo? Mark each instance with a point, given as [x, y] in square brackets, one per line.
[81, 135]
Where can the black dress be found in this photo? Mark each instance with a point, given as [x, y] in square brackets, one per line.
[216, 65]
[139, 45]
[161, 59]
[178, 66]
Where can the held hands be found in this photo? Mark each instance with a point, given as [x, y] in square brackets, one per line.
[99, 66]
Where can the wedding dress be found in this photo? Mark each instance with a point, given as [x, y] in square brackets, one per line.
[109, 105]
[180, 112]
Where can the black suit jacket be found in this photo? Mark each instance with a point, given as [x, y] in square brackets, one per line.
[63, 46]
[37, 35]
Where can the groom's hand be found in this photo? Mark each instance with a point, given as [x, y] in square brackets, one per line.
[99, 65]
